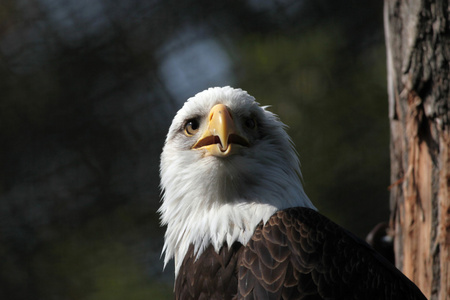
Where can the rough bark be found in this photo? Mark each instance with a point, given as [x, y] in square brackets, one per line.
[418, 55]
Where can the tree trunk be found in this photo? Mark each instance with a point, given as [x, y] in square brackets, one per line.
[418, 55]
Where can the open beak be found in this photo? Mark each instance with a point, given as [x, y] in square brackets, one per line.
[221, 138]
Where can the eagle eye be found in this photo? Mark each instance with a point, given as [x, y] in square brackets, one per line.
[250, 123]
[191, 127]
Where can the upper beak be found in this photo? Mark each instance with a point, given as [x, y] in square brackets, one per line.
[221, 138]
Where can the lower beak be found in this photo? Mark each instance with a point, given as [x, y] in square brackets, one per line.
[221, 138]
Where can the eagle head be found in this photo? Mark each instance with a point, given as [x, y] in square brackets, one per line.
[227, 164]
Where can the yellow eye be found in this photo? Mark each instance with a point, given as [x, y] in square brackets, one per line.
[191, 127]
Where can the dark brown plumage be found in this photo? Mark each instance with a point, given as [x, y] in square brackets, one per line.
[382, 241]
[297, 254]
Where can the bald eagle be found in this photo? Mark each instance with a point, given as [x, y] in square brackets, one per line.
[239, 224]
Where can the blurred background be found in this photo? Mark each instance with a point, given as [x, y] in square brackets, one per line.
[89, 88]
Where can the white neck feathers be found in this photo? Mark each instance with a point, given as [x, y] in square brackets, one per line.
[221, 201]
[210, 200]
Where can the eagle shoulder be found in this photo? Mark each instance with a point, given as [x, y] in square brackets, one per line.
[301, 254]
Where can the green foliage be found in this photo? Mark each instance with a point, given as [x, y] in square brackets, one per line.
[80, 90]
[26, 101]
[96, 262]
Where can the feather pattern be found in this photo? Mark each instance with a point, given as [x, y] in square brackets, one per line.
[314, 258]
[296, 254]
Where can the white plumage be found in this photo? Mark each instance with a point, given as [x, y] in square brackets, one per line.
[213, 200]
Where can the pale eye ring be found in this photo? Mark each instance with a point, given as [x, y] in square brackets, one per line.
[191, 127]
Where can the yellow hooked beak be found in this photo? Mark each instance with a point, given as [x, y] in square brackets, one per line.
[221, 137]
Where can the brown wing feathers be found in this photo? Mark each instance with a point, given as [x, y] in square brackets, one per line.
[269, 255]
[297, 254]
[300, 254]
[210, 276]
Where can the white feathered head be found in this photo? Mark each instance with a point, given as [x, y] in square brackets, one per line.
[227, 164]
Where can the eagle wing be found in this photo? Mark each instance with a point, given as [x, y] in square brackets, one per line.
[300, 254]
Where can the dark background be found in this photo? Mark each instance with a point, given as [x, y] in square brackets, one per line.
[89, 88]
